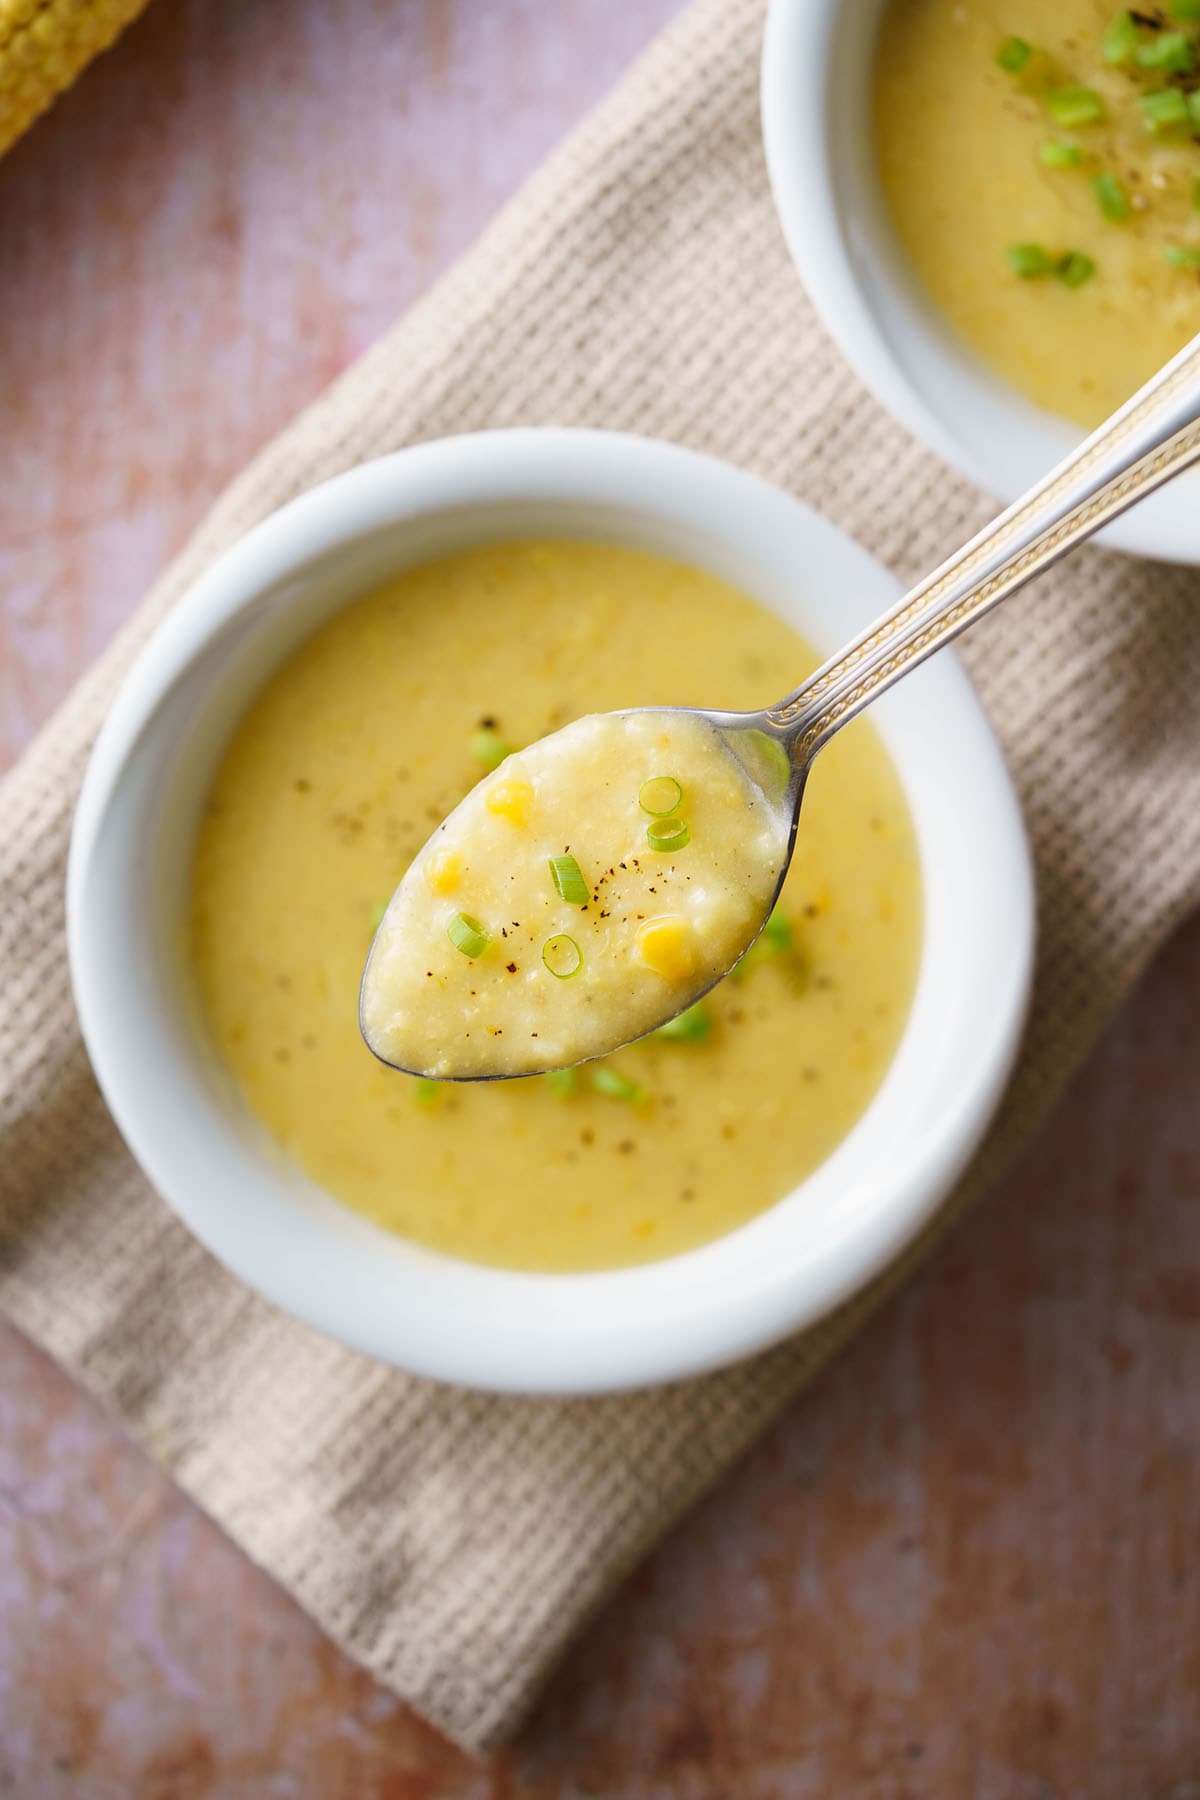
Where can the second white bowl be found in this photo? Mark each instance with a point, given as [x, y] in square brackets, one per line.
[818, 60]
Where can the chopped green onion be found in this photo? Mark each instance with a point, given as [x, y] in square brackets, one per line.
[568, 879]
[1013, 54]
[425, 1092]
[561, 1082]
[1112, 198]
[1121, 39]
[1164, 109]
[669, 834]
[1071, 106]
[1169, 50]
[489, 749]
[1029, 261]
[467, 934]
[377, 912]
[689, 1027]
[562, 956]
[617, 1087]
[1074, 268]
[1185, 9]
[660, 795]
[1182, 256]
[777, 932]
[1193, 106]
[1054, 154]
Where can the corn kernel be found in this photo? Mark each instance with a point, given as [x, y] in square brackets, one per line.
[443, 871]
[667, 946]
[511, 800]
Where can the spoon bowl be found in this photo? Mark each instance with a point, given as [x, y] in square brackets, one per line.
[1148, 441]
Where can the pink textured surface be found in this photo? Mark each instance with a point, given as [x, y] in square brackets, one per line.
[965, 1564]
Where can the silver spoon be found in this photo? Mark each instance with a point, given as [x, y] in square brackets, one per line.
[1152, 438]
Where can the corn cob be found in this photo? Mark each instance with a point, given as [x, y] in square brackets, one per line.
[43, 46]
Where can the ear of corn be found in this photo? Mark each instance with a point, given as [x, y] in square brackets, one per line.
[43, 46]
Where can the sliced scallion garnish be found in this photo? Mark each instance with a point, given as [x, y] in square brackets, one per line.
[488, 748]
[1193, 106]
[1054, 154]
[777, 931]
[562, 1082]
[1111, 198]
[617, 1087]
[568, 880]
[1182, 256]
[1072, 106]
[467, 934]
[562, 956]
[1169, 51]
[1013, 54]
[1185, 9]
[668, 834]
[1165, 109]
[1074, 268]
[1121, 39]
[690, 1027]
[1029, 261]
[660, 795]
[377, 912]
[425, 1092]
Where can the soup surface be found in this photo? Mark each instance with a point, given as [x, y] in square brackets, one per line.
[364, 740]
[989, 170]
[614, 870]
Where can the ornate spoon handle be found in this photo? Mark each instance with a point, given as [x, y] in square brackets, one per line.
[1152, 438]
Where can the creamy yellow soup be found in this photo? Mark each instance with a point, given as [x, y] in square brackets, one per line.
[367, 738]
[613, 871]
[979, 174]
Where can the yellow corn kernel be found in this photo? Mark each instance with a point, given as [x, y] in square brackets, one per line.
[667, 946]
[511, 800]
[443, 871]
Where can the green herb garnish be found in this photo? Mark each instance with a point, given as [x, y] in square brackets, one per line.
[377, 912]
[1054, 154]
[1182, 256]
[1168, 51]
[562, 956]
[1013, 54]
[668, 834]
[777, 932]
[1029, 261]
[562, 1082]
[1072, 106]
[1074, 268]
[689, 1027]
[1164, 109]
[467, 934]
[660, 795]
[568, 879]
[488, 748]
[1121, 39]
[617, 1087]
[1111, 198]
[425, 1092]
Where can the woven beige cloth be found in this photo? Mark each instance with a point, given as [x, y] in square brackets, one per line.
[452, 1542]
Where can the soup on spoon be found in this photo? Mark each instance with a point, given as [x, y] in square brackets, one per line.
[590, 888]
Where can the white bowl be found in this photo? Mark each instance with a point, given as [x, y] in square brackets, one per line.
[817, 65]
[488, 1328]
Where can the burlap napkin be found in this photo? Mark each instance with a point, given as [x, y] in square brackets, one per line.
[453, 1542]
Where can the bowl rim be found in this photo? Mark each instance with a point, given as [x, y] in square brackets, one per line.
[552, 1334]
[797, 53]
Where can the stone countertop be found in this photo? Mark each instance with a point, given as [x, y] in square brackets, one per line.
[966, 1563]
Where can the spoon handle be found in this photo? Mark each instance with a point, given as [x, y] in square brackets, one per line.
[1152, 438]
